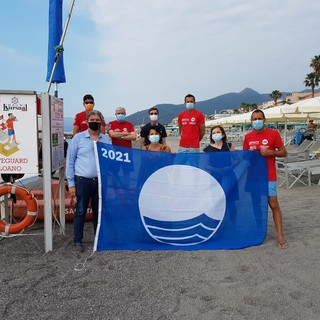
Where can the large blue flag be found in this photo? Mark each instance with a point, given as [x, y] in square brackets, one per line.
[162, 201]
[55, 33]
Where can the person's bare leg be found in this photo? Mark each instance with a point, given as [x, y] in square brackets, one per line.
[277, 218]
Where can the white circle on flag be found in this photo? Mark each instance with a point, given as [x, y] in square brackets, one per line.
[181, 205]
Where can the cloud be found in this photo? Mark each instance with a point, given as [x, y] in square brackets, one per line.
[157, 51]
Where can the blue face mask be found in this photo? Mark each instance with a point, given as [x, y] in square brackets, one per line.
[121, 117]
[216, 137]
[189, 105]
[154, 139]
[257, 124]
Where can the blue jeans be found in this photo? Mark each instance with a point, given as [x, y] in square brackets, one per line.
[188, 150]
[86, 190]
[185, 156]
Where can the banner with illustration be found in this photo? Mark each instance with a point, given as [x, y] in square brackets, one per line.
[18, 132]
[163, 201]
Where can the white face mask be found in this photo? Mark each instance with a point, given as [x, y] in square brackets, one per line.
[121, 117]
[154, 139]
[216, 137]
[189, 105]
[153, 117]
[257, 124]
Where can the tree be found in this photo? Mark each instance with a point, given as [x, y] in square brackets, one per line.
[246, 107]
[311, 81]
[315, 65]
[275, 95]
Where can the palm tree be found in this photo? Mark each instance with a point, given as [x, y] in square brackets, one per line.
[275, 95]
[253, 106]
[246, 107]
[315, 65]
[311, 81]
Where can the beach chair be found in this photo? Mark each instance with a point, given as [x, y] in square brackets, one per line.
[314, 171]
[292, 169]
[288, 143]
[314, 149]
[304, 146]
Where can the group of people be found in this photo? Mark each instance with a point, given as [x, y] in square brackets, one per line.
[89, 126]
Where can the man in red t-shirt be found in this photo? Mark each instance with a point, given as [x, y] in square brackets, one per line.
[270, 145]
[80, 120]
[191, 126]
[121, 132]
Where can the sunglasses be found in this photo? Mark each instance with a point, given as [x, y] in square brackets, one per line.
[88, 102]
[151, 114]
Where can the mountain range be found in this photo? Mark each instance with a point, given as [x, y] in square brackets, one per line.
[231, 100]
[167, 111]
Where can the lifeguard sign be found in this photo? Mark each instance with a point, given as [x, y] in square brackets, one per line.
[18, 132]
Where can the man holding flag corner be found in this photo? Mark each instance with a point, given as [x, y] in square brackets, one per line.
[270, 145]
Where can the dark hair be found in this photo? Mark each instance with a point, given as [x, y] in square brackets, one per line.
[257, 111]
[224, 138]
[155, 128]
[94, 112]
[153, 109]
[88, 97]
[189, 96]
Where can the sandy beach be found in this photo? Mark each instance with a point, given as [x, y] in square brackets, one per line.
[262, 282]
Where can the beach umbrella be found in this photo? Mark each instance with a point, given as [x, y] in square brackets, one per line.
[309, 106]
[306, 106]
[288, 109]
[274, 114]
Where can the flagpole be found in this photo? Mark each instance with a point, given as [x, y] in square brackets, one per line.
[55, 90]
[59, 49]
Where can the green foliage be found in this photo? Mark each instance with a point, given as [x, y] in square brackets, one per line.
[315, 65]
[247, 107]
[311, 81]
[275, 95]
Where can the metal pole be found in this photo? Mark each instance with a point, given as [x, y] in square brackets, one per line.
[56, 90]
[47, 168]
[56, 60]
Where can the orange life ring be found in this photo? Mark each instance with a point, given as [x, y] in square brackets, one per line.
[20, 207]
[32, 209]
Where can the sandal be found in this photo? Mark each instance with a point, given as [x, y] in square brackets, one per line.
[282, 244]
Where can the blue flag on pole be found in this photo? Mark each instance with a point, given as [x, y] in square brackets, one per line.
[55, 33]
[162, 201]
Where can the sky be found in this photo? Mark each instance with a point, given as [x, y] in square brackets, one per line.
[141, 53]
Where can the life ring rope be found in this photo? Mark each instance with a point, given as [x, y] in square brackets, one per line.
[32, 209]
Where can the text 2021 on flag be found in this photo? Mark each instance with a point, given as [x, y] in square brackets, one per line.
[163, 201]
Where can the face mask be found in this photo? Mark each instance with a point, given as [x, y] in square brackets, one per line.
[153, 117]
[257, 124]
[88, 107]
[154, 139]
[217, 137]
[189, 105]
[94, 126]
[121, 117]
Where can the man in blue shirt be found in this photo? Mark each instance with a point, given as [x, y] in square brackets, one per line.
[81, 173]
